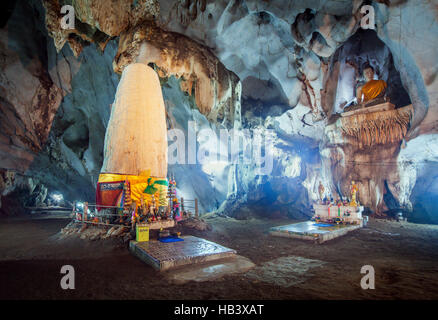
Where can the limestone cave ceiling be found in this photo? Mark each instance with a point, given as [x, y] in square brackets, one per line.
[285, 66]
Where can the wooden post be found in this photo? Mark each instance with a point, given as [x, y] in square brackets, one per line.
[196, 208]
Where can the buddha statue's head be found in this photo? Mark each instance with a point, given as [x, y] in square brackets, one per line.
[368, 73]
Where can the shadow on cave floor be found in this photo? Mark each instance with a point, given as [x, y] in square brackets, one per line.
[404, 256]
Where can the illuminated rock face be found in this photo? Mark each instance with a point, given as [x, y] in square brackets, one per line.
[285, 58]
[136, 136]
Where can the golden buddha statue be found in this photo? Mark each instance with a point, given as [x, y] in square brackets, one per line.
[321, 191]
[354, 189]
[372, 89]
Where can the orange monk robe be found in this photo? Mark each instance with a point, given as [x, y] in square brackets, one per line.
[372, 89]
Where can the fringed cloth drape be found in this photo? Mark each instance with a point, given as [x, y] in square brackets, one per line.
[379, 127]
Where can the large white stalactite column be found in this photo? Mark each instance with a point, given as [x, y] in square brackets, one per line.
[136, 136]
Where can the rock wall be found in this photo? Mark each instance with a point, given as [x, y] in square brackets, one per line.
[409, 29]
[52, 137]
[214, 88]
[392, 176]
[29, 97]
[182, 111]
[277, 67]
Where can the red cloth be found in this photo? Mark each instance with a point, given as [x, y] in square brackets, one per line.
[109, 194]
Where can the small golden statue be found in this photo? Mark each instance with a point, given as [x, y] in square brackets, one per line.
[354, 189]
[321, 191]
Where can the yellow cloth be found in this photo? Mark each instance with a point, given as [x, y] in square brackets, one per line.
[372, 89]
[138, 184]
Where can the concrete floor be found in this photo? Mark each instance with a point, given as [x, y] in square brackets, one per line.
[404, 256]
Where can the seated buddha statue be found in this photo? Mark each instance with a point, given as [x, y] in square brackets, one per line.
[373, 91]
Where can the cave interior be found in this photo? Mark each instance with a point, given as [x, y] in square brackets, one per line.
[286, 72]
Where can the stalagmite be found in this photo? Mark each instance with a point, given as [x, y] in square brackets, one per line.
[136, 137]
[135, 152]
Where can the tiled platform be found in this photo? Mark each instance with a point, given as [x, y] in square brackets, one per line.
[164, 256]
[309, 230]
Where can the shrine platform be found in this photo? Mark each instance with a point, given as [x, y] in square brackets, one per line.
[346, 213]
[156, 225]
[164, 256]
[310, 230]
[376, 108]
